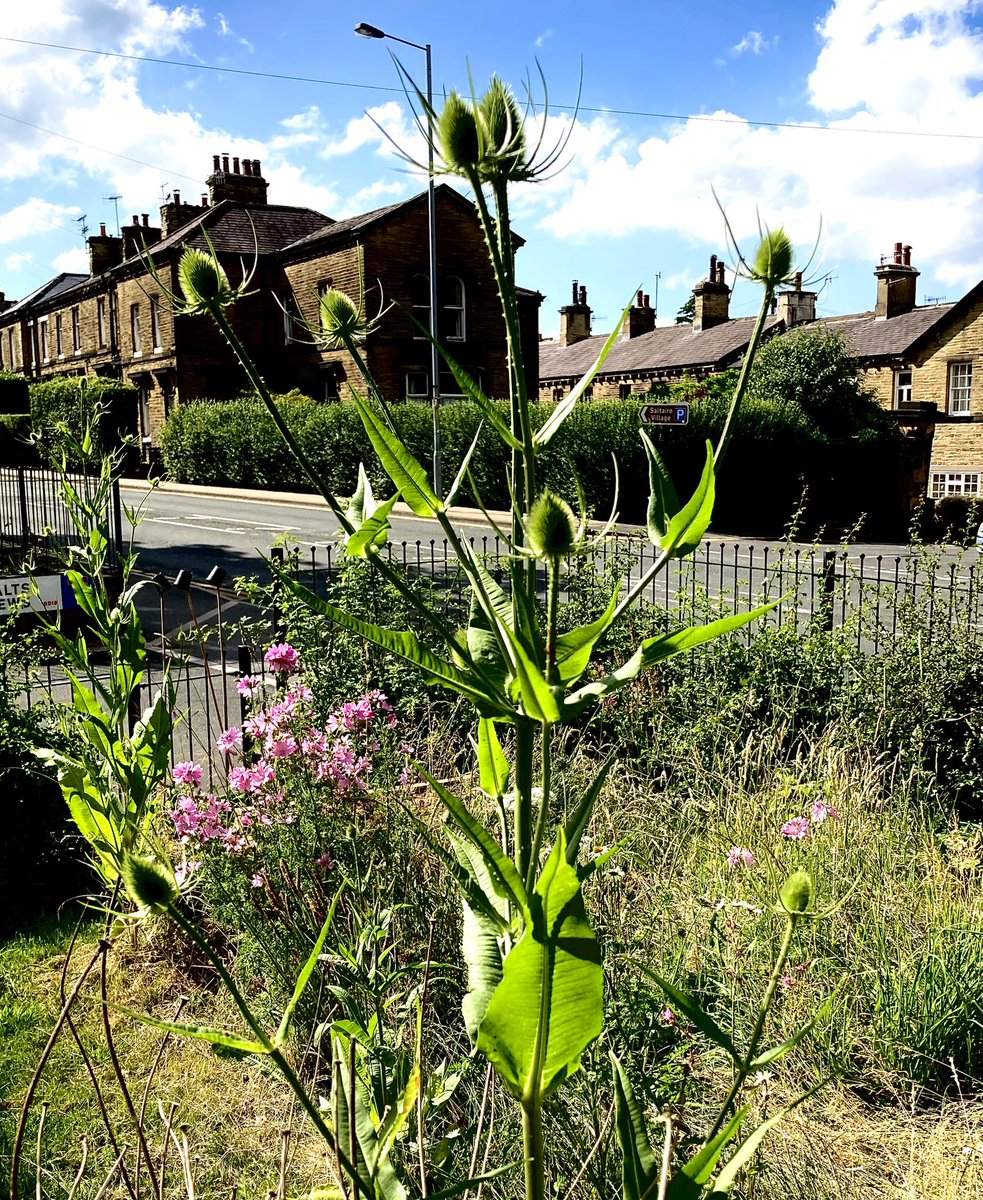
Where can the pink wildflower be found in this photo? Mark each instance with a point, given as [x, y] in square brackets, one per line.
[282, 747]
[796, 829]
[821, 811]
[282, 657]
[739, 856]
[249, 685]
[230, 740]
[669, 1017]
[326, 862]
[239, 778]
[257, 880]
[787, 981]
[187, 772]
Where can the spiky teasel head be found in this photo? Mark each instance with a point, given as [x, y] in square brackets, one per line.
[456, 137]
[773, 263]
[204, 283]
[796, 895]
[504, 135]
[343, 323]
[149, 883]
[552, 530]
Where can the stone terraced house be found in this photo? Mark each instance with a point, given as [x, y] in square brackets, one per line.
[117, 321]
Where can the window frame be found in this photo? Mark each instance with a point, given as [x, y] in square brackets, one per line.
[76, 330]
[416, 396]
[961, 406]
[43, 344]
[12, 349]
[156, 337]
[901, 388]
[102, 322]
[136, 334]
[59, 335]
[456, 313]
[421, 311]
[942, 484]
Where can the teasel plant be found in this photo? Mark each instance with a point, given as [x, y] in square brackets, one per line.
[534, 993]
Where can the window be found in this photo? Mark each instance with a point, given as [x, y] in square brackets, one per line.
[453, 310]
[450, 389]
[955, 483]
[155, 322]
[421, 302]
[144, 388]
[331, 394]
[135, 339]
[902, 389]
[588, 392]
[624, 391]
[101, 320]
[417, 385]
[960, 387]
[76, 331]
[12, 347]
[59, 337]
[290, 316]
[43, 339]
[558, 394]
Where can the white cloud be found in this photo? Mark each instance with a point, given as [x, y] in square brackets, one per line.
[381, 192]
[75, 260]
[19, 258]
[752, 43]
[908, 65]
[225, 30]
[32, 217]
[543, 38]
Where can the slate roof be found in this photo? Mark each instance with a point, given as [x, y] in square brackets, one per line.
[235, 229]
[47, 291]
[672, 348]
[868, 337]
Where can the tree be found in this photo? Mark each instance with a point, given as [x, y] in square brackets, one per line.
[687, 311]
[811, 371]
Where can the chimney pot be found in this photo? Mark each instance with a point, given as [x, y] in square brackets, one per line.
[136, 219]
[906, 256]
[639, 299]
[102, 230]
[256, 170]
[177, 197]
[573, 293]
[235, 166]
[720, 272]
[647, 301]
[225, 163]
[798, 281]
[247, 166]
[583, 294]
[897, 253]
[713, 268]
[146, 218]
[215, 162]
[204, 201]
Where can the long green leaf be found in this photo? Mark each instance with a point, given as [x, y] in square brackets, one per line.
[574, 649]
[493, 766]
[655, 650]
[640, 1171]
[687, 527]
[373, 531]
[745, 1152]
[308, 970]
[549, 1006]
[663, 502]
[689, 1183]
[455, 486]
[399, 464]
[408, 646]
[695, 1014]
[203, 1033]
[483, 960]
[545, 433]
[579, 819]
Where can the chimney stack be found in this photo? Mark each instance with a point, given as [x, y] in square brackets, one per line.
[795, 306]
[712, 298]
[243, 183]
[896, 284]
[575, 317]
[640, 318]
[104, 252]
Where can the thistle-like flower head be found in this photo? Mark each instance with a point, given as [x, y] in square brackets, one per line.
[204, 283]
[552, 530]
[343, 323]
[148, 883]
[796, 895]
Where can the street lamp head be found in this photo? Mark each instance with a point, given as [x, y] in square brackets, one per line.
[369, 31]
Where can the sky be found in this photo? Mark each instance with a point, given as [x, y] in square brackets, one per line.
[853, 123]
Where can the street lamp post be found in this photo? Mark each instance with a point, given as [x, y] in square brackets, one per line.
[370, 31]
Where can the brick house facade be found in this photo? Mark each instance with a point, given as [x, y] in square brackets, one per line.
[117, 320]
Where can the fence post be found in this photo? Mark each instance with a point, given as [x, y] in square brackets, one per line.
[22, 502]
[117, 516]
[828, 589]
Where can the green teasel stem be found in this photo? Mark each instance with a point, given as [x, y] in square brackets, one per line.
[534, 1151]
[525, 737]
[542, 817]
[742, 379]
[778, 970]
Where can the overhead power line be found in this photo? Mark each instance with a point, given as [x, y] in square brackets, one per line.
[583, 108]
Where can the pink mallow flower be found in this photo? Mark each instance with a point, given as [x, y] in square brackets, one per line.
[249, 685]
[822, 811]
[796, 829]
[282, 657]
[739, 856]
[230, 740]
[281, 747]
[187, 772]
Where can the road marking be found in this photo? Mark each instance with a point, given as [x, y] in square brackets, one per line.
[186, 522]
[243, 521]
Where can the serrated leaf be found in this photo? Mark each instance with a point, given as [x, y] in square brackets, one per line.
[202, 1033]
[544, 435]
[362, 504]
[407, 474]
[549, 1006]
[640, 1171]
[483, 960]
[695, 1014]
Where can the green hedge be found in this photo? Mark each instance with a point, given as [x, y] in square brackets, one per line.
[73, 403]
[14, 395]
[776, 453]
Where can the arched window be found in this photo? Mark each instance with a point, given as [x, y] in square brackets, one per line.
[454, 328]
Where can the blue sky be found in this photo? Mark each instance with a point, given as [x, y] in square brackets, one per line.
[859, 117]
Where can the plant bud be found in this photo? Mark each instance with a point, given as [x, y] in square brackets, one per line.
[204, 283]
[457, 136]
[341, 320]
[148, 883]
[551, 527]
[503, 131]
[797, 893]
[773, 261]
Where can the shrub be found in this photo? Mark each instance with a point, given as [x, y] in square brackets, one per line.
[73, 403]
[16, 447]
[14, 394]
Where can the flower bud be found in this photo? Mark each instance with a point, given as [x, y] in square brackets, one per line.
[149, 883]
[457, 136]
[796, 894]
[204, 283]
[551, 527]
[342, 322]
[773, 261]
